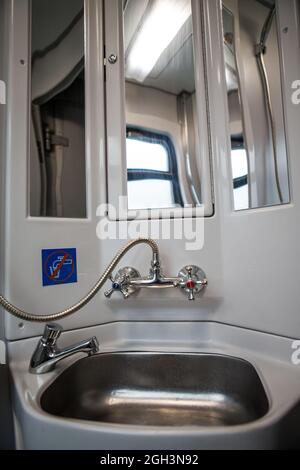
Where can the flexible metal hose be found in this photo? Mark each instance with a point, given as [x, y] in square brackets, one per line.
[15, 311]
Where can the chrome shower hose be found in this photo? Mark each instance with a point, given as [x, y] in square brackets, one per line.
[69, 311]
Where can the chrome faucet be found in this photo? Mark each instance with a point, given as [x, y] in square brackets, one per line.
[47, 354]
[128, 281]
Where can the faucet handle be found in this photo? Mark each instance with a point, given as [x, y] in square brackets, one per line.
[192, 281]
[117, 285]
[121, 283]
[51, 333]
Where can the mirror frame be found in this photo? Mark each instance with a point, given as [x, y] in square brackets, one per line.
[231, 6]
[219, 113]
[116, 122]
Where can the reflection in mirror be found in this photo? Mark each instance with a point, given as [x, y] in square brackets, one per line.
[57, 150]
[257, 129]
[162, 124]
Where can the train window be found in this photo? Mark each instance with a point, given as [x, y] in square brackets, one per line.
[152, 171]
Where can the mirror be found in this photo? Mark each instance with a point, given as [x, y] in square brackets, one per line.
[256, 117]
[57, 143]
[162, 135]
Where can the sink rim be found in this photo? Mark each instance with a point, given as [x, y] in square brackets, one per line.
[111, 425]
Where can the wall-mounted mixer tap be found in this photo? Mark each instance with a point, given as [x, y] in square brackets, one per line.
[191, 280]
[128, 281]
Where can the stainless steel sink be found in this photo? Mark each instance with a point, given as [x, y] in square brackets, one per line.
[156, 389]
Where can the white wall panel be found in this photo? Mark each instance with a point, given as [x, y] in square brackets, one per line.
[251, 258]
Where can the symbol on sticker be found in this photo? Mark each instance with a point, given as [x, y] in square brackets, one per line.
[59, 266]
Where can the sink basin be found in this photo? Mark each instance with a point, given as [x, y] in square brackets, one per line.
[156, 389]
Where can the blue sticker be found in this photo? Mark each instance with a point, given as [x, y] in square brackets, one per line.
[59, 266]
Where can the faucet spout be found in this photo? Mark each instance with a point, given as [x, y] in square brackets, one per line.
[156, 279]
[155, 282]
[47, 354]
[90, 347]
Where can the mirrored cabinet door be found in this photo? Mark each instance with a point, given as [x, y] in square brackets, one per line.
[252, 61]
[57, 174]
[161, 162]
